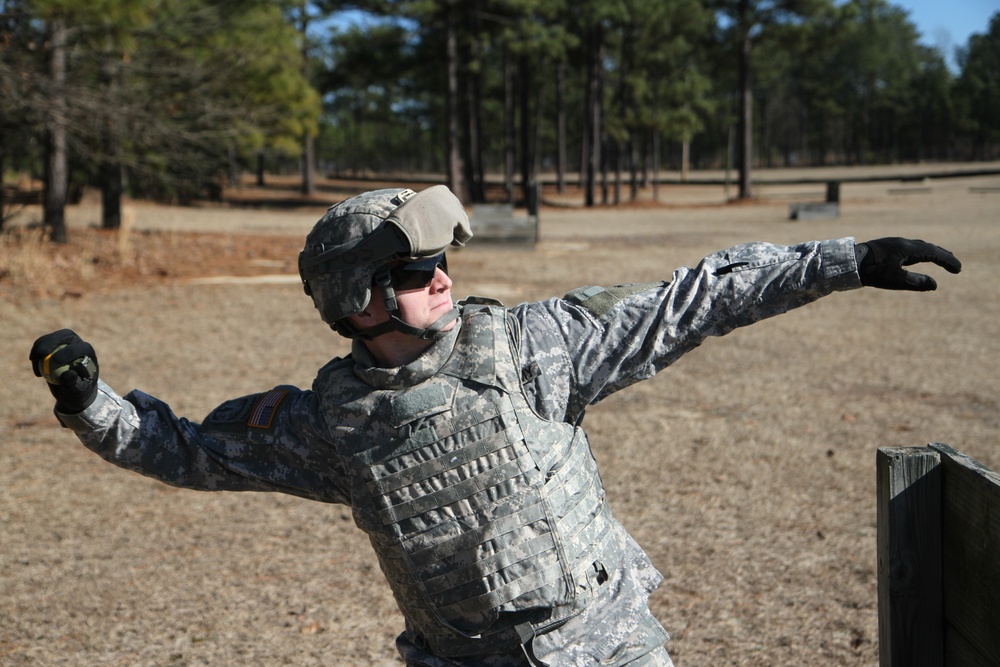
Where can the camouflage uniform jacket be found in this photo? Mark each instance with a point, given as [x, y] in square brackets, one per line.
[573, 352]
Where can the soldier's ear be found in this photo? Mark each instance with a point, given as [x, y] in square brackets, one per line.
[374, 313]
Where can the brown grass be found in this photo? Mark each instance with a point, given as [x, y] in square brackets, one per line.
[746, 470]
[99, 261]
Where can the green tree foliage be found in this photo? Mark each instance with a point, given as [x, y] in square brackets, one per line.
[882, 56]
[208, 81]
[171, 94]
[865, 90]
[599, 84]
[977, 90]
[750, 21]
[20, 62]
[165, 91]
[662, 88]
[534, 76]
[849, 85]
[378, 116]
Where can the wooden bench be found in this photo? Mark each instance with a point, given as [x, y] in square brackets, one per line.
[818, 210]
[497, 223]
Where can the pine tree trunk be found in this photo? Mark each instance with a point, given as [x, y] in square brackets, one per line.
[633, 164]
[474, 173]
[526, 94]
[57, 172]
[308, 149]
[109, 169]
[111, 195]
[308, 167]
[561, 127]
[455, 181]
[508, 125]
[3, 168]
[594, 124]
[656, 165]
[685, 159]
[746, 105]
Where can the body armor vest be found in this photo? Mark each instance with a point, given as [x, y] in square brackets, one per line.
[489, 522]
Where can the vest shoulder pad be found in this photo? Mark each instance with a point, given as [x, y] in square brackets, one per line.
[599, 300]
[336, 366]
[479, 301]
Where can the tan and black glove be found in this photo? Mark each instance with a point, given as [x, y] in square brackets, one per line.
[69, 366]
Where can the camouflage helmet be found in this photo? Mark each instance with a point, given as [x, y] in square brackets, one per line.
[362, 234]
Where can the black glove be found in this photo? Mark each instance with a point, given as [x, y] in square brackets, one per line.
[881, 262]
[69, 366]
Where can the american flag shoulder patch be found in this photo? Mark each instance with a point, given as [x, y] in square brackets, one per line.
[263, 411]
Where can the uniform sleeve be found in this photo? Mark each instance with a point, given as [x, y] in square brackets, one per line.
[263, 442]
[595, 341]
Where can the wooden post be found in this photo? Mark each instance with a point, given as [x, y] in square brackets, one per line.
[729, 158]
[970, 534]
[833, 192]
[910, 617]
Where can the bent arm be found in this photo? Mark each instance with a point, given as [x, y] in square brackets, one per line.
[140, 433]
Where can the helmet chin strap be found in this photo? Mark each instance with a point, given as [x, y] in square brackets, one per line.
[395, 322]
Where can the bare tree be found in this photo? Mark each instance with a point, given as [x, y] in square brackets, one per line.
[595, 84]
[56, 171]
[308, 142]
[455, 180]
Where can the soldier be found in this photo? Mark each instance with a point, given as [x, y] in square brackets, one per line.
[453, 430]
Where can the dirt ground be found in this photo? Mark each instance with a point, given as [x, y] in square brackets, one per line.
[746, 470]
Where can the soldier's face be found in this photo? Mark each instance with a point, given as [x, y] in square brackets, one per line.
[423, 306]
[419, 306]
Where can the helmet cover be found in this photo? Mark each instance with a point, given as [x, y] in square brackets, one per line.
[358, 236]
[339, 294]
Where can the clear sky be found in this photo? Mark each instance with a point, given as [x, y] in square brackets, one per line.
[947, 24]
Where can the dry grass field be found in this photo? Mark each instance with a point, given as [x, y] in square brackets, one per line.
[746, 470]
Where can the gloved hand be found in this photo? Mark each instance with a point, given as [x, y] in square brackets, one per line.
[881, 262]
[69, 366]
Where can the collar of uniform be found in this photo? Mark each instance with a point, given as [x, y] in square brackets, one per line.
[426, 366]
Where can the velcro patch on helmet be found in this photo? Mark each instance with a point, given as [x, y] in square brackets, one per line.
[599, 300]
[402, 196]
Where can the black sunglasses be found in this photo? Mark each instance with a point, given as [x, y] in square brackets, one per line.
[417, 275]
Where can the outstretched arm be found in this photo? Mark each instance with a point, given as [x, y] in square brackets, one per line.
[598, 340]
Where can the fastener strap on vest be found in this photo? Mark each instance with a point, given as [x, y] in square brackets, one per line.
[471, 538]
[506, 639]
[461, 491]
[455, 581]
[428, 435]
[504, 594]
[430, 468]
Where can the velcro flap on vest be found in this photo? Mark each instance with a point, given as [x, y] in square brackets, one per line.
[419, 402]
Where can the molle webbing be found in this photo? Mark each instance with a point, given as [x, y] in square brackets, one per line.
[475, 472]
[483, 514]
